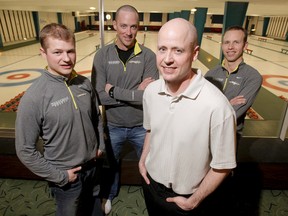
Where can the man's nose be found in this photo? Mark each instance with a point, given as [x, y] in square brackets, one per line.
[66, 57]
[168, 57]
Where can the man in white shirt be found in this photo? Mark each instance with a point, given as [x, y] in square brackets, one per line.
[189, 147]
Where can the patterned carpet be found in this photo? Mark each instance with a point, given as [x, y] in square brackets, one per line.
[32, 198]
[25, 198]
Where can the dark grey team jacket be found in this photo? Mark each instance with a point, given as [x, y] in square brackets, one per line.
[125, 109]
[245, 80]
[66, 115]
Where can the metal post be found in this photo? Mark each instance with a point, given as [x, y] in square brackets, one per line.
[101, 22]
[284, 125]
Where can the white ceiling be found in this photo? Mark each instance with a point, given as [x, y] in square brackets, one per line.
[255, 7]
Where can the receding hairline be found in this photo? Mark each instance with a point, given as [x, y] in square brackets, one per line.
[191, 29]
[237, 28]
[127, 8]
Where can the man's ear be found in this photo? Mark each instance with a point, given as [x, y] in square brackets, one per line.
[42, 52]
[196, 52]
[114, 25]
[245, 46]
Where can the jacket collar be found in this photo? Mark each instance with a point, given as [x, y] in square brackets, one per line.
[60, 77]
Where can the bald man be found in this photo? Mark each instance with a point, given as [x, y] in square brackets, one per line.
[189, 146]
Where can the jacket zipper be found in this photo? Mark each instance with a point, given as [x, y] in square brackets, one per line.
[72, 96]
[226, 80]
[124, 65]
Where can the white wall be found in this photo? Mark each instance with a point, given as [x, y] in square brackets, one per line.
[46, 18]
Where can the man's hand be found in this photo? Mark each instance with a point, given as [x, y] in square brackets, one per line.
[238, 100]
[145, 83]
[99, 153]
[143, 171]
[182, 202]
[72, 173]
[107, 87]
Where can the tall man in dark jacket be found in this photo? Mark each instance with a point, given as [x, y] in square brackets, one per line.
[122, 71]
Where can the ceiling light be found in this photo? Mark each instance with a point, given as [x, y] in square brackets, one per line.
[108, 16]
[92, 8]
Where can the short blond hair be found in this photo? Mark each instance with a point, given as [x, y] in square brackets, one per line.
[57, 31]
[128, 8]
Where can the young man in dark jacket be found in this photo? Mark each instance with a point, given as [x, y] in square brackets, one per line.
[61, 107]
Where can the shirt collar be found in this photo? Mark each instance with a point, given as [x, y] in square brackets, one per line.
[192, 90]
[137, 48]
[223, 65]
[72, 76]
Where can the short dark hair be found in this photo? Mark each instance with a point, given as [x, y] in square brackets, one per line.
[239, 28]
[57, 31]
[129, 8]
